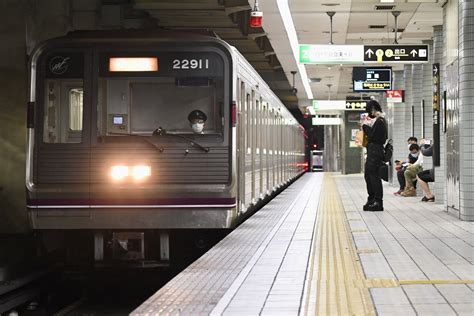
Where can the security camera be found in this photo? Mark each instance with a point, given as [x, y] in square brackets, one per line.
[294, 91]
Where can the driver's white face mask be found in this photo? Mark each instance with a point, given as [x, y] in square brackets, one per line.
[197, 127]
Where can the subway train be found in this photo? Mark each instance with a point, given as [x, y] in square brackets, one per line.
[115, 169]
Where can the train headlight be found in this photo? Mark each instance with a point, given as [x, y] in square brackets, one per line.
[119, 172]
[141, 172]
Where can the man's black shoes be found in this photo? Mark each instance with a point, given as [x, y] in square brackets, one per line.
[374, 207]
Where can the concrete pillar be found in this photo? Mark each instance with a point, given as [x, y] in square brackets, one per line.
[439, 185]
[427, 87]
[417, 96]
[408, 78]
[466, 108]
[399, 125]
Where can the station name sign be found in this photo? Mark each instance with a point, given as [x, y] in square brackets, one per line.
[363, 54]
[372, 79]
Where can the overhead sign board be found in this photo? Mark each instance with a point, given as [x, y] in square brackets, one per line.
[395, 53]
[347, 105]
[327, 121]
[363, 54]
[323, 105]
[356, 105]
[331, 54]
[367, 79]
[395, 96]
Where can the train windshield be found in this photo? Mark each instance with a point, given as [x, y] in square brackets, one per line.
[162, 93]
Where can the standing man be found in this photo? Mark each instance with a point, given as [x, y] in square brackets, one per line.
[375, 127]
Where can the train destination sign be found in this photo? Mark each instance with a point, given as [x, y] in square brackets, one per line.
[395, 53]
[356, 105]
[372, 79]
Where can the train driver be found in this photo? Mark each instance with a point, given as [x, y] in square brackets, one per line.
[197, 119]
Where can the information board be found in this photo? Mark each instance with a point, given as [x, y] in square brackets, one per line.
[372, 79]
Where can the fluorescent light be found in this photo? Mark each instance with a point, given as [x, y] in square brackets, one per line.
[285, 14]
[387, 1]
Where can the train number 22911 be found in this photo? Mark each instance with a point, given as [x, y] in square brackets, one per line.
[191, 64]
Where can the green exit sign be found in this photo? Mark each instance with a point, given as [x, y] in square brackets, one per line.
[331, 54]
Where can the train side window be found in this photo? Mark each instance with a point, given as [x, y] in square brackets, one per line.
[63, 112]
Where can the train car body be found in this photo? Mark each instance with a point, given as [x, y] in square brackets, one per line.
[96, 163]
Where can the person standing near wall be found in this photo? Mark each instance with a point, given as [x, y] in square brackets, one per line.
[375, 127]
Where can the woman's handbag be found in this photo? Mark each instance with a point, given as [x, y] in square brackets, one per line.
[361, 139]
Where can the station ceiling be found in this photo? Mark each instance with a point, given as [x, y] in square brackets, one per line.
[355, 22]
[229, 19]
[271, 49]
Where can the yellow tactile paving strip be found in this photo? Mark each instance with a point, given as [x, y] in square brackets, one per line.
[336, 283]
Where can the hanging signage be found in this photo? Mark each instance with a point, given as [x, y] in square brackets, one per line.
[322, 105]
[367, 79]
[331, 54]
[436, 109]
[395, 53]
[356, 105]
[395, 96]
[327, 121]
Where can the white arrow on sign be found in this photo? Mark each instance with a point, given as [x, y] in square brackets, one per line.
[435, 70]
[369, 52]
[414, 53]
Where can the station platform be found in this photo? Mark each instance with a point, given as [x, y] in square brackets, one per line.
[313, 251]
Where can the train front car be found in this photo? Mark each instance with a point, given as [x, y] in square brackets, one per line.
[130, 138]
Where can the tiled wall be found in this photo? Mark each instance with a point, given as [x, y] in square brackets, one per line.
[427, 86]
[466, 107]
[417, 96]
[400, 150]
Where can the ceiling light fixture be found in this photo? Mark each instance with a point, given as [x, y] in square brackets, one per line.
[331, 14]
[285, 15]
[395, 15]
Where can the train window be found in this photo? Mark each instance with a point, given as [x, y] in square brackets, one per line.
[149, 103]
[63, 112]
[76, 106]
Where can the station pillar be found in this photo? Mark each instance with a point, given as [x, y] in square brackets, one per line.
[466, 108]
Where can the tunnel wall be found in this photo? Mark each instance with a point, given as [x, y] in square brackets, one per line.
[25, 24]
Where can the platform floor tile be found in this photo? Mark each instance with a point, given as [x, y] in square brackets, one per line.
[429, 252]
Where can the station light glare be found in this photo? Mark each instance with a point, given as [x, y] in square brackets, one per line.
[119, 172]
[387, 1]
[141, 172]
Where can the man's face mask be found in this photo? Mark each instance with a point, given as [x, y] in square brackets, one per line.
[415, 154]
[197, 127]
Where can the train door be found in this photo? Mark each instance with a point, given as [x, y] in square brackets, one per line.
[265, 149]
[247, 148]
[257, 156]
[62, 142]
[241, 145]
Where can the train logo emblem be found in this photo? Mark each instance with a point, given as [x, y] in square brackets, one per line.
[59, 65]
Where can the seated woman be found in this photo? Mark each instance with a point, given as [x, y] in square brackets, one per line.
[424, 177]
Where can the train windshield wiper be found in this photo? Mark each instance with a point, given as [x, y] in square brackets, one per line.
[162, 132]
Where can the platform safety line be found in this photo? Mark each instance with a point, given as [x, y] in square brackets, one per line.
[233, 289]
[337, 285]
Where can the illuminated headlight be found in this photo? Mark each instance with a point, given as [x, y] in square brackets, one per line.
[141, 172]
[119, 172]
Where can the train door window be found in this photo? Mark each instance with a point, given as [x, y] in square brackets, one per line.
[63, 111]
